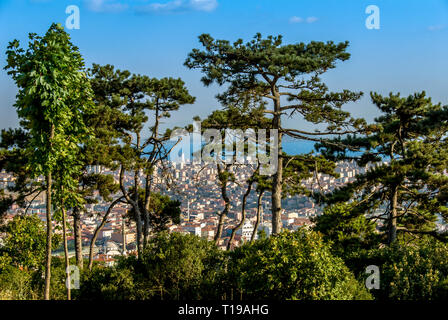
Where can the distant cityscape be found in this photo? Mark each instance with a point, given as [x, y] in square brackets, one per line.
[200, 196]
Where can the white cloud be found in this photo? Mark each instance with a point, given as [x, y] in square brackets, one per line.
[437, 27]
[296, 19]
[169, 6]
[203, 5]
[180, 6]
[311, 19]
[105, 6]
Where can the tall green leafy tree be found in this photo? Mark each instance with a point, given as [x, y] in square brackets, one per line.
[54, 92]
[286, 76]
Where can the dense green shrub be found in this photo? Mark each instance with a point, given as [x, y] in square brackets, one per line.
[24, 242]
[174, 266]
[346, 229]
[17, 284]
[105, 283]
[22, 260]
[185, 266]
[409, 271]
[292, 265]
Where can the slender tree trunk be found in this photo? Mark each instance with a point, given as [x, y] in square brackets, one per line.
[220, 226]
[123, 233]
[135, 205]
[226, 208]
[392, 232]
[67, 261]
[78, 237]
[145, 228]
[98, 229]
[139, 234]
[49, 182]
[138, 217]
[49, 238]
[257, 223]
[148, 184]
[243, 216]
[278, 176]
[148, 190]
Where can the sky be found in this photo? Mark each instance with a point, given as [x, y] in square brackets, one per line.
[407, 54]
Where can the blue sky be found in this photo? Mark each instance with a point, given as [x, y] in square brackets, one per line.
[407, 54]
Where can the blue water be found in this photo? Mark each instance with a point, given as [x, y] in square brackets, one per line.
[290, 146]
[297, 147]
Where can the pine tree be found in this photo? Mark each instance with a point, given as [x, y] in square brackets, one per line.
[275, 73]
[405, 185]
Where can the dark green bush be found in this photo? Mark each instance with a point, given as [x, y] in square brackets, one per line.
[409, 271]
[292, 265]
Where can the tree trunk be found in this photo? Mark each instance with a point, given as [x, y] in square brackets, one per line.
[67, 261]
[145, 228]
[243, 216]
[138, 222]
[78, 237]
[392, 232]
[257, 223]
[148, 185]
[123, 233]
[135, 205]
[49, 237]
[278, 175]
[138, 216]
[226, 208]
[49, 182]
[98, 229]
[220, 226]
